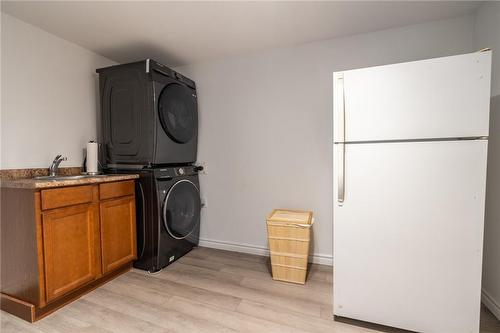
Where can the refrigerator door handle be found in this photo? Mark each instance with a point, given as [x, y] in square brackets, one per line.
[341, 139]
[341, 174]
[341, 101]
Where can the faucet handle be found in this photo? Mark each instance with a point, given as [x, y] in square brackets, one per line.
[60, 158]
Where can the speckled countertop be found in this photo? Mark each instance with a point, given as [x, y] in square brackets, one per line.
[31, 183]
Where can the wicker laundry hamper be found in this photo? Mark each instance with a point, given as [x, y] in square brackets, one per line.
[289, 233]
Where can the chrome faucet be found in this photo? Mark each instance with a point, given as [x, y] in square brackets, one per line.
[54, 167]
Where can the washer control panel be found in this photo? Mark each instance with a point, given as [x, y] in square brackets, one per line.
[176, 171]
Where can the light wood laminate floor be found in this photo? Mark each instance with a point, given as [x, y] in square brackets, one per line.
[206, 291]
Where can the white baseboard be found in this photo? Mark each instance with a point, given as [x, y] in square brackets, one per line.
[322, 259]
[490, 303]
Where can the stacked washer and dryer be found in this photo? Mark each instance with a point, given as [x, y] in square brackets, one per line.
[149, 126]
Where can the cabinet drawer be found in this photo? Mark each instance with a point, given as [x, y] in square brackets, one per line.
[66, 196]
[116, 189]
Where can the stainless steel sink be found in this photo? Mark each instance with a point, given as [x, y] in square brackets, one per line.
[75, 177]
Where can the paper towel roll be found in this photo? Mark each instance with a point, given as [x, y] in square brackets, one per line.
[92, 152]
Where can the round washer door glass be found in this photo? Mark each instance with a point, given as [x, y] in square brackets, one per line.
[178, 112]
[181, 209]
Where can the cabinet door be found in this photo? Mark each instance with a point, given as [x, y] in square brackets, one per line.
[70, 240]
[118, 234]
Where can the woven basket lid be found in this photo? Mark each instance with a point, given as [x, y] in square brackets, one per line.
[290, 216]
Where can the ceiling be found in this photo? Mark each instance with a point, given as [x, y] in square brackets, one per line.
[178, 33]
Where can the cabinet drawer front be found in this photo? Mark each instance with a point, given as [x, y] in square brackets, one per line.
[66, 196]
[116, 189]
[70, 238]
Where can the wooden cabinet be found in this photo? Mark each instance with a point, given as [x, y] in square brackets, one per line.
[118, 234]
[65, 242]
[70, 245]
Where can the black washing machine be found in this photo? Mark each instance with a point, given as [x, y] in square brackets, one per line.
[168, 214]
[149, 115]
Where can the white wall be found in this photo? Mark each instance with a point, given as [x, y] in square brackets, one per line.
[487, 34]
[49, 99]
[266, 127]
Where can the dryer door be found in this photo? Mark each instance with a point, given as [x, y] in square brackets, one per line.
[181, 209]
[177, 109]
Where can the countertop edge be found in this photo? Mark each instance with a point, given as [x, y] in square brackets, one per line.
[36, 184]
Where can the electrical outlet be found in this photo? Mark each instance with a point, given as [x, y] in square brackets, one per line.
[204, 165]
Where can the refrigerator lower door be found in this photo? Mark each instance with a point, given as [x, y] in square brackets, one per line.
[408, 234]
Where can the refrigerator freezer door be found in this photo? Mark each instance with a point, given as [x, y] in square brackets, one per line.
[437, 98]
[408, 235]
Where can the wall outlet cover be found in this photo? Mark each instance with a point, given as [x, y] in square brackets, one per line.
[204, 165]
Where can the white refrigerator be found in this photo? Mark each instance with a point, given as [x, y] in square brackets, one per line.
[410, 149]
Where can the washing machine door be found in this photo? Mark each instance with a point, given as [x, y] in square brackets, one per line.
[181, 209]
[177, 109]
